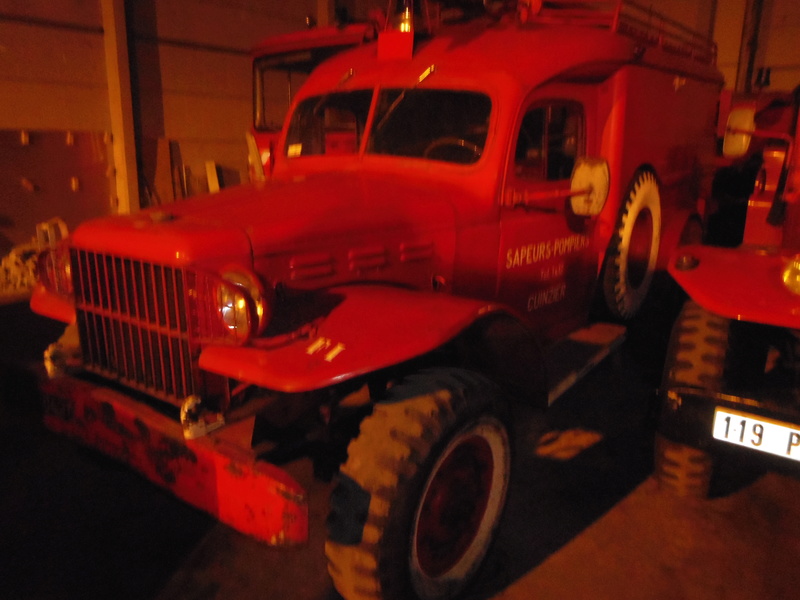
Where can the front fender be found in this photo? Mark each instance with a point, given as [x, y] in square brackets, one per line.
[372, 327]
[49, 305]
[738, 283]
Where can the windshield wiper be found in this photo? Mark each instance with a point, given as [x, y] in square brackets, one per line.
[423, 76]
[324, 98]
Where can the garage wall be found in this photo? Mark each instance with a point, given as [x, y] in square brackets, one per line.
[779, 43]
[52, 65]
[193, 77]
[52, 81]
[728, 25]
[190, 87]
[776, 42]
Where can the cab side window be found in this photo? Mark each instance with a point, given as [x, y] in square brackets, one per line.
[550, 139]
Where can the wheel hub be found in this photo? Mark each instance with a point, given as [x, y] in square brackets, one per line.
[454, 506]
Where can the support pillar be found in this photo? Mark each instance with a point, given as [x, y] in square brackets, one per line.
[120, 105]
[749, 46]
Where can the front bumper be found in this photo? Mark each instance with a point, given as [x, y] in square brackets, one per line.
[218, 473]
[687, 416]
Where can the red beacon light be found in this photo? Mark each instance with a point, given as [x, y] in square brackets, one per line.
[396, 41]
[404, 16]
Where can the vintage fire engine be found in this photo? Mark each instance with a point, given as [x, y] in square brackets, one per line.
[733, 368]
[449, 206]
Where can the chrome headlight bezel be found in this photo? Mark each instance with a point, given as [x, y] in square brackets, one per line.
[791, 275]
[54, 271]
[244, 296]
[234, 310]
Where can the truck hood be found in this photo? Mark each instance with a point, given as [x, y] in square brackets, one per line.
[279, 216]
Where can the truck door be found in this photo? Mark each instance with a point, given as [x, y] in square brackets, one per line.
[546, 270]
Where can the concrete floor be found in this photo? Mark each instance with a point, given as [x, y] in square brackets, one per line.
[585, 519]
[743, 546]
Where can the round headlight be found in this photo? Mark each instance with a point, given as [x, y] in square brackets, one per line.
[54, 271]
[791, 275]
[234, 309]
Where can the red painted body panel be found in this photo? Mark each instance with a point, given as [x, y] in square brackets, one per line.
[740, 284]
[215, 473]
[337, 208]
[746, 283]
[184, 234]
[314, 38]
[334, 350]
[52, 306]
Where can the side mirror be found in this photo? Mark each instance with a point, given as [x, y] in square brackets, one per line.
[589, 186]
[739, 131]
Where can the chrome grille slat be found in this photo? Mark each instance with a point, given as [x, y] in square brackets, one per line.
[132, 323]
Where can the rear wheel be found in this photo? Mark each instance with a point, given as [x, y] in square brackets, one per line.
[432, 465]
[633, 251]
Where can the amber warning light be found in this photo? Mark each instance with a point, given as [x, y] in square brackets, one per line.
[396, 41]
[403, 17]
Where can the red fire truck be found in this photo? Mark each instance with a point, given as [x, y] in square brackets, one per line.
[731, 378]
[281, 64]
[450, 206]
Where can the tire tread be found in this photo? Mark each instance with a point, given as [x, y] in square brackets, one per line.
[393, 444]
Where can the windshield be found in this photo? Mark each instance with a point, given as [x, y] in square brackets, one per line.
[443, 125]
[275, 80]
[329, 124]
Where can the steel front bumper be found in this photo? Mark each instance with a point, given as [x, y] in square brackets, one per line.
[687, 415]
[217, 473]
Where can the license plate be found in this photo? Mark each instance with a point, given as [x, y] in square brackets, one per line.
[764, 435]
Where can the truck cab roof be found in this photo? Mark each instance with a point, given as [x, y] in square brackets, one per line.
[485, 53]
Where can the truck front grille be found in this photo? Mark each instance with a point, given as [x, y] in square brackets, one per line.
[132, 323]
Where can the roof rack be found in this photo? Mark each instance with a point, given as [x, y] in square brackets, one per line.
[631, 19]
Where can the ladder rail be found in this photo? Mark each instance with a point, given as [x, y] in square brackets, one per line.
[627, 17]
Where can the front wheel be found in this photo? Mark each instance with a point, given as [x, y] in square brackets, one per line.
[710, 353]
[422, 491]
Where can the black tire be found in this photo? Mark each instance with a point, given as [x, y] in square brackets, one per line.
[707, 352]
[433, 464]
[682, 469]
[633, 250]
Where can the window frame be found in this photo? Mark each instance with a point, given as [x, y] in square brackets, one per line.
[542, 171]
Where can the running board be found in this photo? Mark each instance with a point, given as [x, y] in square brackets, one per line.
[569, 359]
